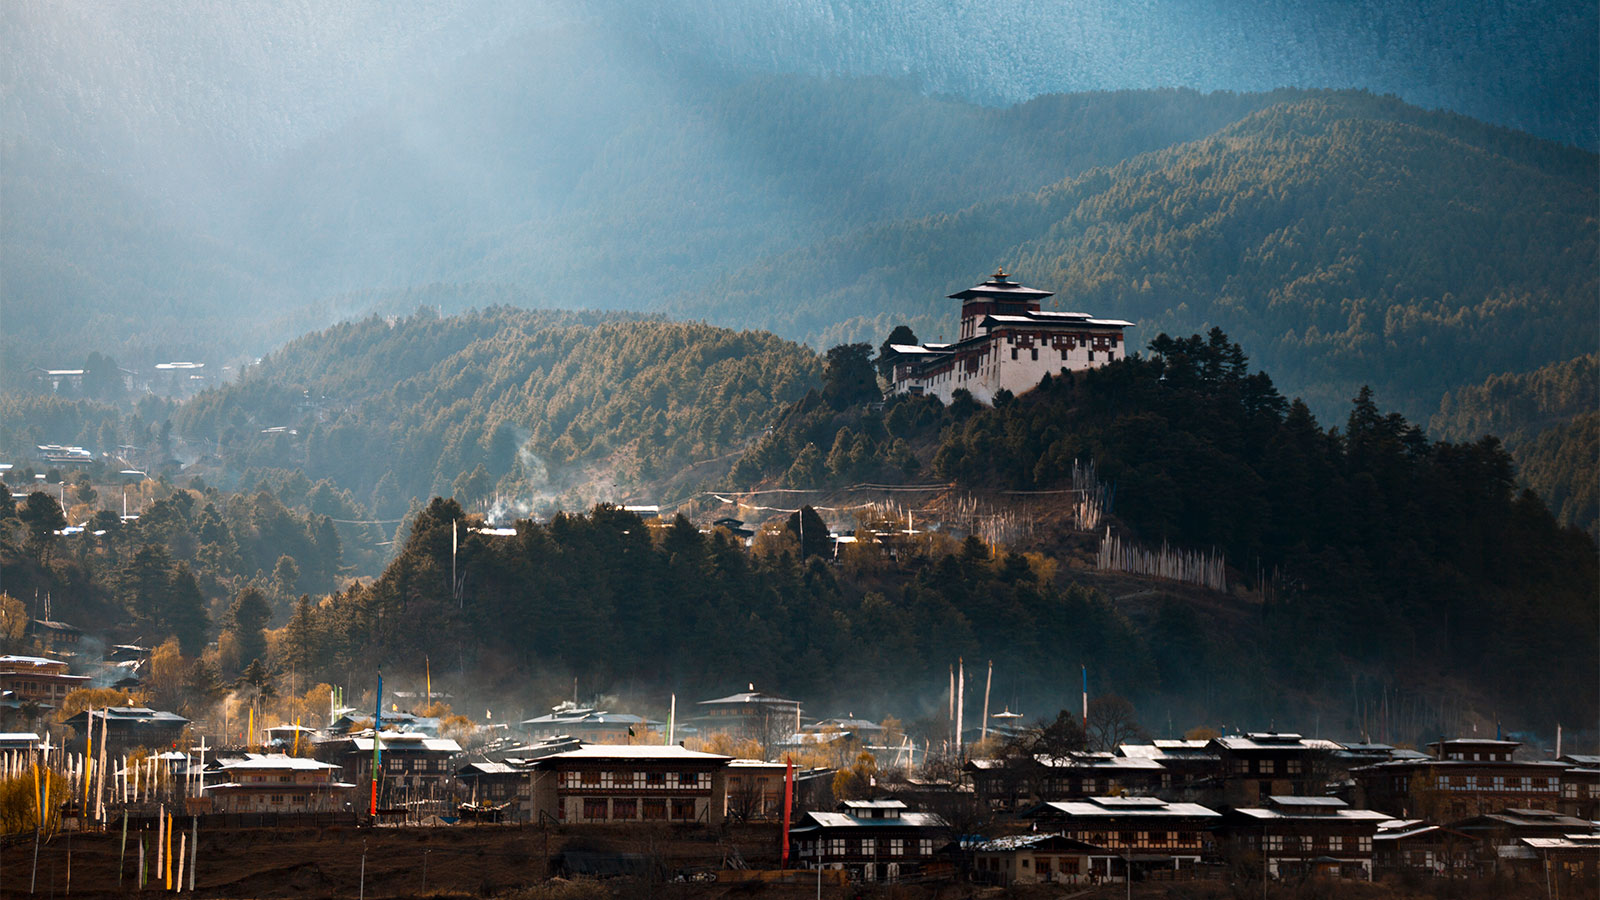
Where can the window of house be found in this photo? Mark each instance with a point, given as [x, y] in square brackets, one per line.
[1158, 837]
[1091, 356]
[1268, 766]
[869, 846]
[1036, 354]
[625, 809]
[688, 779]
[1013, 353]
[835, 846]
[1044, 867]
[925, 847]
[683, 810]
[653, 810]
[1274, 841]
[1364, 844]
[1025, 863]
[897, 846]
[1069, 865]
[655, 779]
[594, 808]
[589, 777]
[277, 798]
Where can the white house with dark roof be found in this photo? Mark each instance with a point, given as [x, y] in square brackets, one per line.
[280, 783]
[1008, 342]
[1300, 836]
[876, 840]
[628, 784]
[1145, 832]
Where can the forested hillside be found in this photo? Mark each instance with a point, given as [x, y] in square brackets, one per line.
[498, 402]
[1342, 239]
[1371, 542]
[1550, 421]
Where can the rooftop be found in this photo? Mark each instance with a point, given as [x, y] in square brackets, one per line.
[276, 761]
[642, 752]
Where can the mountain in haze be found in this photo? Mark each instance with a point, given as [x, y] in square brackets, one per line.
[213, 190]
[1344, 239]
[500, 407]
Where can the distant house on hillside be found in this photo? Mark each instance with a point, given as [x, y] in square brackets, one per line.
[1007, 343]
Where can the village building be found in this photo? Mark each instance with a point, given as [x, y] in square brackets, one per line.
[1014, 783]
[1042, 859]
[1008, 343]
[610, 784]
[750, 715]
[1298, 836]
[1187, 766]
[1580, 785]
[587, 724]
[55, 637]
[1462, 777]
[493, 783]
[1417, 846]
[126, 728]
[755, 790]
[39, 680]
[279, 783]
[1262, 764]
[1503, 838]
[1145, 832]
[873, 840]
[414, 766]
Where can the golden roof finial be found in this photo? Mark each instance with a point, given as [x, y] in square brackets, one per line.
[1000, 273]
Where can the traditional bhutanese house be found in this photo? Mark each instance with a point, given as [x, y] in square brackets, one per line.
[874, 840]
[1008, 342]
[608, 784]
[414, 766]
[866, 731]
[18, 741]
[1580, 785]
[1501, 836]
[1571, 863]
[290, 736]
[1413, 845]
[1148, 832]
[1263, 764]
[750, 714]
[1041, 859]
[1300, 836]
[37, 679]
[493, 782]
[1463, 777]
[56, 637]
[127, 727]
[1016, 783]
[1186, 766]
[281, 784]
[755, 790]
[592, 726]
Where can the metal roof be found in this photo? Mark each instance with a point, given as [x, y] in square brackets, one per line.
[407, 741]
[751, 697]
[1001, 286]
[1359, 815]
[641, 752]
[1098, 808]
[845, 820]
[276, 761]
